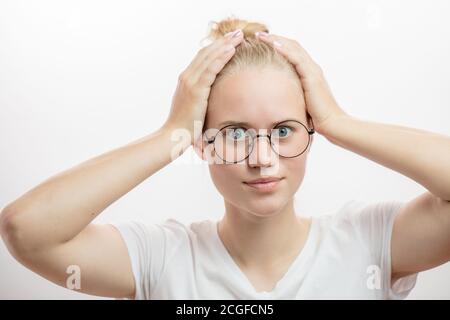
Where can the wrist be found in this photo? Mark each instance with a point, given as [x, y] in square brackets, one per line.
[329, 125]
[178, 138]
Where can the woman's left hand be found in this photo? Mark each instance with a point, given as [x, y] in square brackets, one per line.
[320, 103]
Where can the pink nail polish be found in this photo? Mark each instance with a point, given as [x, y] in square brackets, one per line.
[237, 33]
[232, 33]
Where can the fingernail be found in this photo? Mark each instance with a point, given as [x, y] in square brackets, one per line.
[237, 33]
[233, 33]
[277, 44]
[261, 34]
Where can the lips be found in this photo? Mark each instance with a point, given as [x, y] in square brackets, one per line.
[265, 185]
[263, 180]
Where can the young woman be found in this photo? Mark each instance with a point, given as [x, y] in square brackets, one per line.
[259, 99]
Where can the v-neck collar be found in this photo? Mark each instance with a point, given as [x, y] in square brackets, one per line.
[301, 258]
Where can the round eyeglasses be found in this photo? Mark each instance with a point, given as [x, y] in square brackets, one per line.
[289, 139]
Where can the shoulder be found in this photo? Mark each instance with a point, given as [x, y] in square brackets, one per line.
[357, 211]
[168, 232]
[365, 218]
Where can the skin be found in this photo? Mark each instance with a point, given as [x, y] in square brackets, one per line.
[421, 232]
[50, 228]
[261, 231]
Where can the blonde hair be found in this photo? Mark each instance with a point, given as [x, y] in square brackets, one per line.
[251, 52]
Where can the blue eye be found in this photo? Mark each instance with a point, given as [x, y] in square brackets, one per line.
[282, 132]
[236, 133]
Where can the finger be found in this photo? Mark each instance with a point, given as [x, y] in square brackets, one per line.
[207, 71]
[292, 51]
[210, 69]
[209, 52]
[228, 47]
[204, 52]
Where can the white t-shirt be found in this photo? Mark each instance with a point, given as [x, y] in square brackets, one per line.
[346, 256]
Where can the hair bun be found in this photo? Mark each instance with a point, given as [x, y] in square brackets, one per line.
[218, 29]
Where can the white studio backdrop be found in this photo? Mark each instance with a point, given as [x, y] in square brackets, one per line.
[79, 78]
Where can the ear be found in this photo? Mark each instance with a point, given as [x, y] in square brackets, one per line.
[199, 147]
[309, 121]
[311, 126]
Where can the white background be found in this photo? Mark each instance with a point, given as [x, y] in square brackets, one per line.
[78, 78]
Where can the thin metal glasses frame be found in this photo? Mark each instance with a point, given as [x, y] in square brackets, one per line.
[310, 133]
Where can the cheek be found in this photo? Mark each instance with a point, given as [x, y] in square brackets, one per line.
[295, 172]
[227, 178]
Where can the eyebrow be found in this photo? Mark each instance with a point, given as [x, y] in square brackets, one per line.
[246, 124]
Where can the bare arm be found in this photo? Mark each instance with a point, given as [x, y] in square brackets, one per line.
[47, 229]
[66, 203]
[421, 234]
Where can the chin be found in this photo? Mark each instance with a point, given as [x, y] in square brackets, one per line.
[263, 213]
[267, 207]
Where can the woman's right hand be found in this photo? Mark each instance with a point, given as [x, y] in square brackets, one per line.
[190, 99]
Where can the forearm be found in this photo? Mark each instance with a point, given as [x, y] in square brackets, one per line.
[420, 155]
[60, 207]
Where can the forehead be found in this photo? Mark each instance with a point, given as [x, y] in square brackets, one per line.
[257, 96]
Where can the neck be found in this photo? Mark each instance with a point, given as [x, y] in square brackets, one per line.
[255, 241]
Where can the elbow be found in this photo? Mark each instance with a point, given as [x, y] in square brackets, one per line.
[6, 225]
[12, 231]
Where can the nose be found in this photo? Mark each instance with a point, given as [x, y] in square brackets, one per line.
[262, 154]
